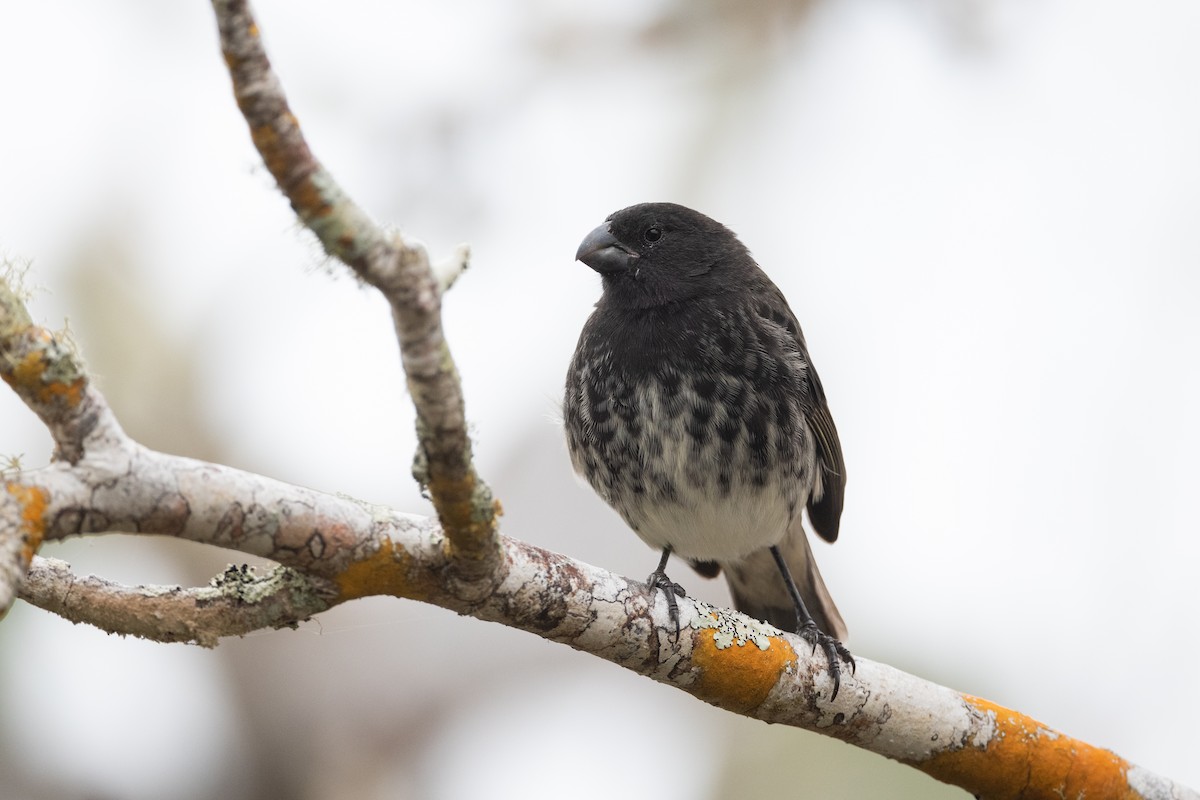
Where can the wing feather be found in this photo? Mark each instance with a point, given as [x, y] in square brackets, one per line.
[829, 491]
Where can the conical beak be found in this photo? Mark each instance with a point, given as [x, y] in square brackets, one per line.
[601, 251]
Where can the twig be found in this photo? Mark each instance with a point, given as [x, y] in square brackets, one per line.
[46, 373]
[398, 268]
[236, 603]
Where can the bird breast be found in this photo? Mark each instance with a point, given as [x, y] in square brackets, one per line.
[707, 462]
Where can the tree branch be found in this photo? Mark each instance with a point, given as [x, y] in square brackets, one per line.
[339, 549]
[237, 602]
[46, 374]
[398, 268]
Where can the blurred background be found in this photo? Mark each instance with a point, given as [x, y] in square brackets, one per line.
[984, 213]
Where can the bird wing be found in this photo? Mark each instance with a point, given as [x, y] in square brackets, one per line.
[825, 503]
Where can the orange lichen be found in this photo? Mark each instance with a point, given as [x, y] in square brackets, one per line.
[308, 200]
[470, 535]
[29, 374]
[33, 501]
[267, 142]
[386, 571]
[740, 676]
[1026, 760]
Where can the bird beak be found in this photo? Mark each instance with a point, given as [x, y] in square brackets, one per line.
[601, 251]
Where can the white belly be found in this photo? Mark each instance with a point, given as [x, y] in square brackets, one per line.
[707, 527]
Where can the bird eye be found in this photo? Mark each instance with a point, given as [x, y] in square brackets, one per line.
[652, 234]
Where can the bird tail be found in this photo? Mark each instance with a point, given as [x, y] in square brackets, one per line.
[758, 588]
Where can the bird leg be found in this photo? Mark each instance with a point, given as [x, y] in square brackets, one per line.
[834, 650]
[659, 580]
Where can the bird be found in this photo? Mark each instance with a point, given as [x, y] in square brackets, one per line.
[693, 409]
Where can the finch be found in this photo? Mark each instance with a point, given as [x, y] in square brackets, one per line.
[693, 409]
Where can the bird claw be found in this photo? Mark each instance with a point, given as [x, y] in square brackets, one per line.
[659, 580]
[835, 653]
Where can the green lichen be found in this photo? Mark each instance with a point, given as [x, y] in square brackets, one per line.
[732, 628]
[242, 584]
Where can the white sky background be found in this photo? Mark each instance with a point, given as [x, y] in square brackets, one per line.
[984, 215]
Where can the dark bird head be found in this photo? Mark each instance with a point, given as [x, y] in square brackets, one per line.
[657, 253]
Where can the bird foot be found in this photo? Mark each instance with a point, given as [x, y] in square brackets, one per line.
[659, 580]
[835, 653]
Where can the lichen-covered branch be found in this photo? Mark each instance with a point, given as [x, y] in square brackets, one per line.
[45, 372]
[336, 549]
[21, 510]
[237, 602]
[400, 269]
